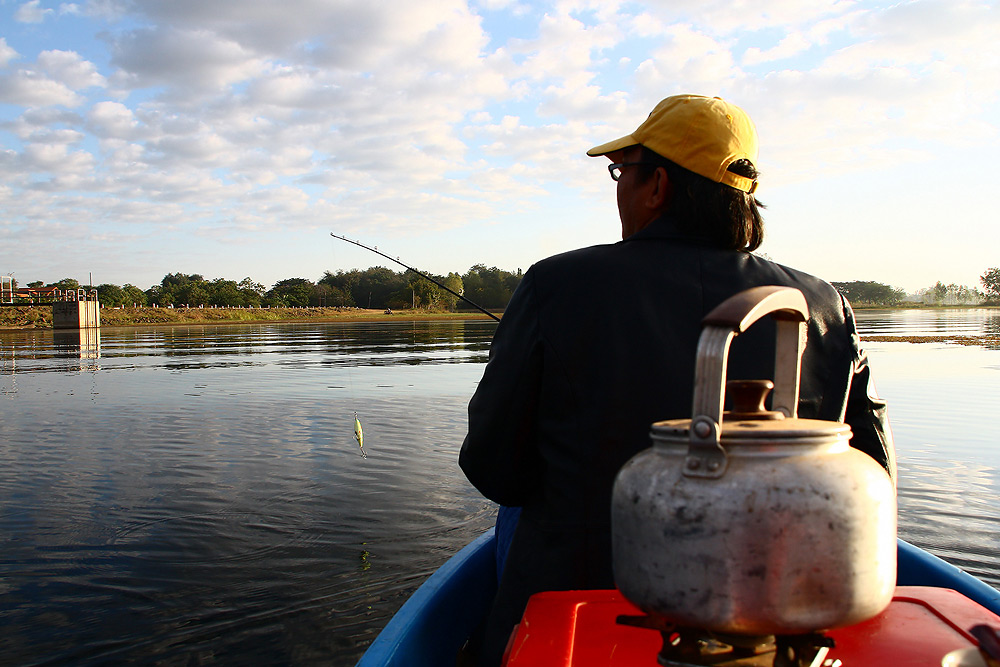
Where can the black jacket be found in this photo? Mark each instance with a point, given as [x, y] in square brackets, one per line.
[597, 344]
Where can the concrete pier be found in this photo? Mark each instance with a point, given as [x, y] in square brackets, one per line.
[77, 311]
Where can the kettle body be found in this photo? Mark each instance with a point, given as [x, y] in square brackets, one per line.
[758, 522]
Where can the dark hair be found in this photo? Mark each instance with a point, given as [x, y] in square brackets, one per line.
[716, 212]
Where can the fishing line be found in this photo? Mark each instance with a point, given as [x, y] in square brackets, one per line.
[419, 273]
[359, 433]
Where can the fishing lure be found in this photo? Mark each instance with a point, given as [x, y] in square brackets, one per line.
[359, 435]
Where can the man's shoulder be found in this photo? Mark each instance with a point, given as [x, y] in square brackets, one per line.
[692, 264]
[798, 278]
[586, 254]
[824, 299]
[575, 264]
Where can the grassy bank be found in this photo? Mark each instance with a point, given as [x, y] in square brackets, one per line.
[40, 317]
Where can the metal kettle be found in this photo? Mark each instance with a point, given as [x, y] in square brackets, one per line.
[758, 522]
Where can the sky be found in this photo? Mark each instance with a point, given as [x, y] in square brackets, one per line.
[230, 138]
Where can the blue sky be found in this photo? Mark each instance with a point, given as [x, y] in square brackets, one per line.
[227, 138]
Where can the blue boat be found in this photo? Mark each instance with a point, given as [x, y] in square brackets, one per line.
[433, 624]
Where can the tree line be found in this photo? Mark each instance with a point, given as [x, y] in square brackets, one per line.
[491, 288]
[375, 287]
[870, 293]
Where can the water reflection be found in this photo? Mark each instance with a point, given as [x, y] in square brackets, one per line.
[79, 343]
[949, 508]
[978, 326]
[206, 501]
[198, 495]
[942, 400]
[339, 344]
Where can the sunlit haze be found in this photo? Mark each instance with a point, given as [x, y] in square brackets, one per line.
[229, 138]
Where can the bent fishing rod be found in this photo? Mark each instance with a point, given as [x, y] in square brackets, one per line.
[419, 273]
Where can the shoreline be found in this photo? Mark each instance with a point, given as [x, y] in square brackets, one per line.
[40, 317]
[14, 318]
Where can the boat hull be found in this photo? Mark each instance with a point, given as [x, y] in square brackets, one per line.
[434, 623]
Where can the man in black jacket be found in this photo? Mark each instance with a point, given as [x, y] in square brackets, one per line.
[598, 343]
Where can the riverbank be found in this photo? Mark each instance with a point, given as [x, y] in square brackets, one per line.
[40, 317]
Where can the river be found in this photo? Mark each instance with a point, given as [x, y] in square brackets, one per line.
[194, 495]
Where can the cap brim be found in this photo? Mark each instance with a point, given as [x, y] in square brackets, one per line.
[612, 146]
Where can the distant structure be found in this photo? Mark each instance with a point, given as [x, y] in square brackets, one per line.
[37, 294]
[77, 310]
[9, 294]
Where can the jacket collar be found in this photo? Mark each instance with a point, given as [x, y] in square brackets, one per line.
[666, 227]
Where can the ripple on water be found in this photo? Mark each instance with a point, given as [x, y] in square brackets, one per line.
[195, 494]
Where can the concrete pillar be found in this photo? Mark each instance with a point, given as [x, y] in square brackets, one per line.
[78, 312]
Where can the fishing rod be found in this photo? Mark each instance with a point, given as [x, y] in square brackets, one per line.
[419, 273]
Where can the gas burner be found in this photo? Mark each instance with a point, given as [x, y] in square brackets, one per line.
[694, 647]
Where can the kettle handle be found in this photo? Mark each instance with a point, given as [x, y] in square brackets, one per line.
[787, 306]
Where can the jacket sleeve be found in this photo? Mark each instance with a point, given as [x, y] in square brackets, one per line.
[500, 455]
[866, 413]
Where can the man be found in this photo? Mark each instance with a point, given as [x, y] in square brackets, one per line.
[598, 343]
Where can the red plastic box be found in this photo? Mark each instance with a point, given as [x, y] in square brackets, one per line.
[578, 629]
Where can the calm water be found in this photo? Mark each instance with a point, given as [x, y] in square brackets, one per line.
[194, 495]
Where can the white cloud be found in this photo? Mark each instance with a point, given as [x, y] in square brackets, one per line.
[224, 115]
[112, 120]
[61, 137]
[689, 61]
[791, 45]
[70, 69]
[6, 53]
[497, 5]
[108, 9]
[54, 80]
[724, 17]
[56, 160]
[564, 49]
[296, 89]
[179, 58]
[920, 74]
[31, 12]
[30, 89]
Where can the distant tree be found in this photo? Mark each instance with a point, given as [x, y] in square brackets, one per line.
[963, 294]
[322, 295]
[194, 294]
[250, 285]
[179, 279]
[342, 285]
[110, 295]
[133, 296]
[452, 281]
[33, 283]
[340, 297]
[251, 293]
[951, 294]
[376, 286]
[179, 289]
[424, 293]
[991, 281]
[66, 284]
[293, 292]
[223, 292]
[870, 293]
[490, 287]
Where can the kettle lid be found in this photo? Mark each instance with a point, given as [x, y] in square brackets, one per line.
[749, 420]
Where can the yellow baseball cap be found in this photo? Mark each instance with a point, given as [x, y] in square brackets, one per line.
[702, 134]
